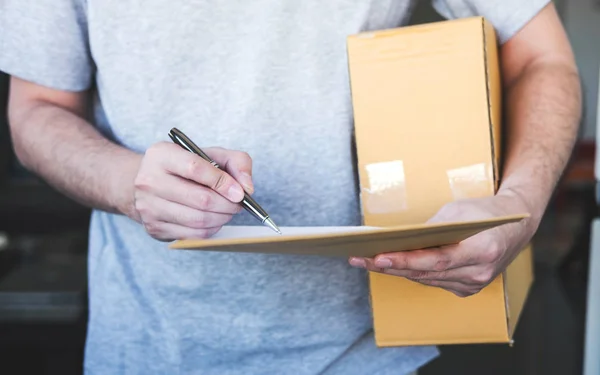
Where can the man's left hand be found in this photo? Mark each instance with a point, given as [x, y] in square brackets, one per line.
[465, 268]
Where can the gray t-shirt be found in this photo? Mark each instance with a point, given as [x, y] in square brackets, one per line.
[267, 77]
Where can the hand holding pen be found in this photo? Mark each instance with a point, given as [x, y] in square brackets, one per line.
[247, 202]
[180, 195]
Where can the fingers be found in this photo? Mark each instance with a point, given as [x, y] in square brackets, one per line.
[192, 167]
[180, 195]
[160, 210]
[185, 192]
[480, 249]
[436, 259]
[473, 276]
[464, 281]
[237, 163]
[168, 231]
[463, 269]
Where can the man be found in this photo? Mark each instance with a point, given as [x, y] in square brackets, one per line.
[98, 84]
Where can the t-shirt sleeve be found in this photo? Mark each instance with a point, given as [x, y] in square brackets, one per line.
[46, 42]
[507, 16]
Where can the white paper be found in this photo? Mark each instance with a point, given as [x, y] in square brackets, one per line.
[261, 231]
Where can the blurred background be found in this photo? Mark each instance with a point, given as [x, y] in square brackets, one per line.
[43, 244]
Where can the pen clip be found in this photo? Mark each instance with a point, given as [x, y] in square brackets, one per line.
[182, 140]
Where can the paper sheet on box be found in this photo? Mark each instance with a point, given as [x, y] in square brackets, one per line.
[341, 241]
[260, 231]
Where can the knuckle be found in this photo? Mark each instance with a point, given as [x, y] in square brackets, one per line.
[370, 266]
[204, 201]
[400, 261]
[467, 292]
[243, 156]
[461, 294]
[143, 181]
[142, 208]
[418, 275]
[221, 182]
[194, 167]
[203, 233]
[491, 254]
[483, 277]
[199, 220]
[442, 264]
[188, 195]
[463, 291]
[477, 279]
[222, 219]
[153, 229]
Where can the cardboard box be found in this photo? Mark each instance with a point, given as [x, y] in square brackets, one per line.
[427, 108]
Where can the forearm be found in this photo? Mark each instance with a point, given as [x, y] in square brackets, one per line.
[543, 110]
[72, 156]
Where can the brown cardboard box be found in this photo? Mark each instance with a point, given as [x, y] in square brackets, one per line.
[427, 106]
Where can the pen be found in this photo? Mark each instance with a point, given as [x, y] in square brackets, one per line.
[178, 137]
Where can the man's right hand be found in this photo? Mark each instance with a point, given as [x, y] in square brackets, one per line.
[174, 193]
[177, 194]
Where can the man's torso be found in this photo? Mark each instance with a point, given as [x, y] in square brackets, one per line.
[269, 78]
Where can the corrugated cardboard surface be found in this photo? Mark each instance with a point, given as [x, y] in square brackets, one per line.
[427, 121]
[408, 313]
[519, 276]
[420, 101]
[494, 95]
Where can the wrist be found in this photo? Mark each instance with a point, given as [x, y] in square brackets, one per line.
[524, 202]
[122, 191]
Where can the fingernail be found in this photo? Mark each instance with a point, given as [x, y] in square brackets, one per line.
[358, 262]
[246, 181]
[383, 262]
[235, 193]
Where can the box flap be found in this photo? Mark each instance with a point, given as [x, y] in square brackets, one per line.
[518, 280]
[441, 317]
[359, 241]
[494, 88]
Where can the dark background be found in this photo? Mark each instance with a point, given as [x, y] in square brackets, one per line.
[43, 246]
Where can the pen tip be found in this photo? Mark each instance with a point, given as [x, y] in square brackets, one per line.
[271, 224]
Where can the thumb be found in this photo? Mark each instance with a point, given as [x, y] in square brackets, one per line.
[465, 209]
[237, 164]
[448, 213]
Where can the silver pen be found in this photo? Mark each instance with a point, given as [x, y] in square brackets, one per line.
[178, 137]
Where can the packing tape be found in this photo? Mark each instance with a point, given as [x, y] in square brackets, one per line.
[471, 181]
[387, 187]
